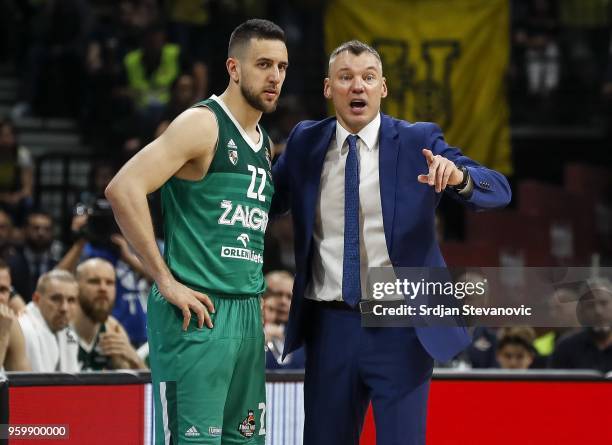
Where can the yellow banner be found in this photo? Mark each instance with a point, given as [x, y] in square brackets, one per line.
[445, 61]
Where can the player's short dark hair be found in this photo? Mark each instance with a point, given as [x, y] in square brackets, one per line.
[354, 47]
[254, 29]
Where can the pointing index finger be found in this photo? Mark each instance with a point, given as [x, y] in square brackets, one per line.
[428, 155]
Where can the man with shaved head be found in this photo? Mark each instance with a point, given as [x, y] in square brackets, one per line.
[50, 344]
[103, 342]
[363, 188]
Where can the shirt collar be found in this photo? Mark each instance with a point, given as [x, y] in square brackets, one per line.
[368, 134]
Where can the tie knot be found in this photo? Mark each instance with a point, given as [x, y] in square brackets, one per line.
[352, 141]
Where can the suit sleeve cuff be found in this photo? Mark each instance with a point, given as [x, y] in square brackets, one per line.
[466, 192]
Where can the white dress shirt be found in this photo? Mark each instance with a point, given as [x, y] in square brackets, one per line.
[48, 351]
[328, 236]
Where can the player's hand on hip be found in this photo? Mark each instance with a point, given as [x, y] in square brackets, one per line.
[188, 300]
[442, 172]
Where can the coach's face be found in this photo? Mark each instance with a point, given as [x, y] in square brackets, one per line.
[356, 86]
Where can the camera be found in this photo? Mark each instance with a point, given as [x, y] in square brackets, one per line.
[100, 225]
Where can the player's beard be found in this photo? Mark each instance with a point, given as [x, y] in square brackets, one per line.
[94, 310]
[256, 101]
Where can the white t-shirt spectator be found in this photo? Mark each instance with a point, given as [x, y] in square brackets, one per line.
[48, 351]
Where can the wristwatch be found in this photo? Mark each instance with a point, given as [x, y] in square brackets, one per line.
[464, 182]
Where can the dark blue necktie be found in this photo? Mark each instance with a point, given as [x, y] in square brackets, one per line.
[351, 279]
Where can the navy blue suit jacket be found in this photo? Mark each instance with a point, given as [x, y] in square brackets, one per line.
[408, 208]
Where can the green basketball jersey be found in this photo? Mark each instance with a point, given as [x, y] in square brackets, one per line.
[214, 228]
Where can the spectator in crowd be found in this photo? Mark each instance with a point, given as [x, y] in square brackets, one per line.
[482, 351]
[111, 39]
[276, 303]
[562, 308]
[50, 344]
[100, 174]
[591, 347]
[542, 55]
[143, 12]
[515, 347]
[97, 237]
[12, 344]
[183, 96]
[6, 243]
[37, 256]
[149, 74]
[16, 174]
[103, 342]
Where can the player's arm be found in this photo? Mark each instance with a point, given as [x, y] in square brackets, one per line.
[16, 358]
[187, 146]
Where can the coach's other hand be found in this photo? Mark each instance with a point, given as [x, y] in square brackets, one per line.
[188, 300]
[442, 172]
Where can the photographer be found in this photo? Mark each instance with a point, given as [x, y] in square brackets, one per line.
[97, 235]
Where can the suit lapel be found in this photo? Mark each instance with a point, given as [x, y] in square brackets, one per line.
[316, 159]
[387, 171]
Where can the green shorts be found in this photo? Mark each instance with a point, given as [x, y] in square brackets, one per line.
[208, 384]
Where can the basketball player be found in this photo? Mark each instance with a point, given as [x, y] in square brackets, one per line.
[213, 167]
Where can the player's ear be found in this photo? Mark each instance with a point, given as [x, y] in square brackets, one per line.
[326, 88]
[384, 87]
[233, 68]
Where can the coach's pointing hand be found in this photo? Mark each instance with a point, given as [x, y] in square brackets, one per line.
[188, 300]
[442, 172]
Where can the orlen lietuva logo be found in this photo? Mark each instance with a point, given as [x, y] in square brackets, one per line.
[247, 427]
[232, 152]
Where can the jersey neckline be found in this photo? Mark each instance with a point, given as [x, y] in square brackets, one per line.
[255, 147]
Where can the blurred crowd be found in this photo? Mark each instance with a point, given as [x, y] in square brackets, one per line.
[66, 324]
[561, 61]
[123, 69]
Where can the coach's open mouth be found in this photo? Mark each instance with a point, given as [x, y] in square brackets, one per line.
[358, 104]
